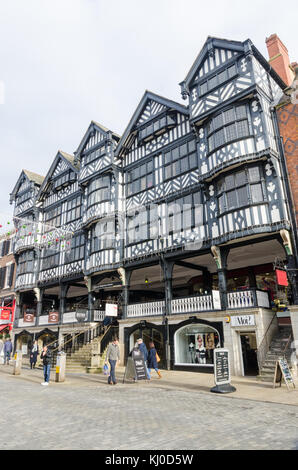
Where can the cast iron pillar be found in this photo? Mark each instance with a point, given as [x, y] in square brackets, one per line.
[167, 267]
[220, 255]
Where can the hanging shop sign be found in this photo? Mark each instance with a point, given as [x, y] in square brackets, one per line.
[281, 277]
[82, 315]
[111, 310]
[243, 320]
[53, 317]
[28, 317]
[5, 314]
[282, 371]
[222, 376]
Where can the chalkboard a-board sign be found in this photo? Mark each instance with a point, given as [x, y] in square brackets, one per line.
[135, 367]
[282, 371]
[222, 375]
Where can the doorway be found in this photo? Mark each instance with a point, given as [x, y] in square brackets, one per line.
[249, 353]
[149, 334]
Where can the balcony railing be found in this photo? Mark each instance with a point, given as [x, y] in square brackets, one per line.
[248, 298]
[146, 309]
[201, 303]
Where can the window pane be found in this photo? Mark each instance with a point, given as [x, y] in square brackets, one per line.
[230, 182]
[242, 196]
[217, 121]
[143, 170]
[229, 115]
[231, 199]
[192, 146]
[149, 181]
[210, 143]
[193, 161]
[231, 132]
[221, 202]
[254, 174]
[212, 82]
[232, 71]
[143, 183]
[242, 128]
[175, 153]
[219, 138]
[168, 157]
[222, 76]
[256, 193]
[183, 150]
[177, 168]
[203, 88]
[156, 126]
[241, 112]
[184, 164]
[221, 185]
[149, 166]
[168, 171]
[240, 178]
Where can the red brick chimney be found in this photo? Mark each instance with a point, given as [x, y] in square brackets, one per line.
[279, 58]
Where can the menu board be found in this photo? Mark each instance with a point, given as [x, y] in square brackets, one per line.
[282, 371]
[139, 364]
[221, 366]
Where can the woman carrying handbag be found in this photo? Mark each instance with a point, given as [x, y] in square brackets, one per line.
[153, 360]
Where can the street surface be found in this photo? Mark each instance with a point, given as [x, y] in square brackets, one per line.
[86, 413]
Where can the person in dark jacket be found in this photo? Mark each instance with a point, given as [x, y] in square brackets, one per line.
[46, 357]
[7, 351]
[152, 361]
[33, 355]
[144, 351]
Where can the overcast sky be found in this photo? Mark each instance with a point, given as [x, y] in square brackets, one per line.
[66, 62]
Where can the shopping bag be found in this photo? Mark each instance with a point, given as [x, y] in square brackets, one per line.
[105, 369]
[157, 357]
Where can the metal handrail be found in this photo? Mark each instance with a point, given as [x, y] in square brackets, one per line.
[287, 345]
[263, 339]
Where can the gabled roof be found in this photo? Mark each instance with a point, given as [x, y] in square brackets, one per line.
[95, 126]
[30, 176]
[68, 159]
[235, 46]
[210, 44]
[141, 109]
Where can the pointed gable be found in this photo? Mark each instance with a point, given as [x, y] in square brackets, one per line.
[150, 106]
[62, 162]
[95, 134]
[213, 55]
[25, 181]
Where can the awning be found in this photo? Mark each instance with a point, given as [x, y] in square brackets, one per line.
[2, 327]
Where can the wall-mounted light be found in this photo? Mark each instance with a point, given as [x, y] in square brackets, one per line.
[146, 281]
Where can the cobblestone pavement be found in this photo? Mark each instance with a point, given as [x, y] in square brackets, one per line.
[89, 414]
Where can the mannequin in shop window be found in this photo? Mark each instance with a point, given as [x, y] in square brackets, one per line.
[191, 350]
[200, 350]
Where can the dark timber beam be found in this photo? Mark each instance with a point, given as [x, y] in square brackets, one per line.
[196, 267]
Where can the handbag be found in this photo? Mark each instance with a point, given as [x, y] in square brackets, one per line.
[157, 357]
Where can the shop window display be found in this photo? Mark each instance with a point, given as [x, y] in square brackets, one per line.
[195, 344]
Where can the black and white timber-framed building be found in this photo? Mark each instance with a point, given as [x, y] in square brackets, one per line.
[214, 161]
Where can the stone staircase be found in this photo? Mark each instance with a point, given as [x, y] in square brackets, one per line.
[82, 361]
[275, 352]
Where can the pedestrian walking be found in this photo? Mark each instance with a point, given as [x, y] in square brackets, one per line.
[46, 357]
[33, 355]
[144, 351]
[152, 360]
[7, 351]
[113, 355]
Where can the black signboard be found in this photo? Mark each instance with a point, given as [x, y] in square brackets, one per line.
[139, 363]
[282, 371]
[222, 376]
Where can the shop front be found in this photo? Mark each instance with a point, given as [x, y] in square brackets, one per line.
[193, 342]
